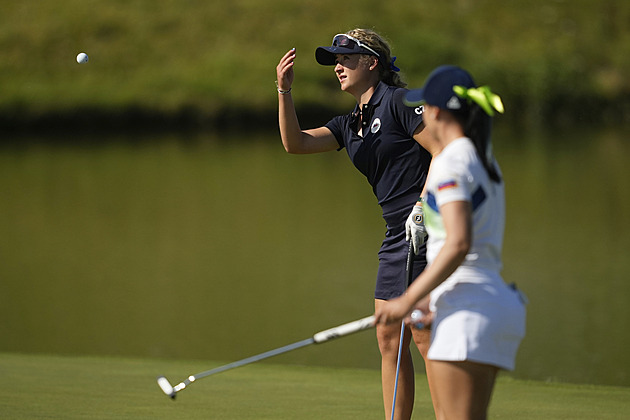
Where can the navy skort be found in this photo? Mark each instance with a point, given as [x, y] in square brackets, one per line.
[391, 279]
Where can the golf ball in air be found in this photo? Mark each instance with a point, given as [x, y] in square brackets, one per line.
[82, 58]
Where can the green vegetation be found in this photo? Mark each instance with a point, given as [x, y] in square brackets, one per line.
[203, 59]
[109, 388]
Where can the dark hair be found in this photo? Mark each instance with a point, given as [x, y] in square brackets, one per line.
[478, 127]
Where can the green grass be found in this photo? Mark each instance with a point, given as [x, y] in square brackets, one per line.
[59, 387]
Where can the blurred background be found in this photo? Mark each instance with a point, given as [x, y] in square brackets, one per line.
[147, 207]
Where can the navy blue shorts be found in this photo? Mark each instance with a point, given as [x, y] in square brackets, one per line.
[391, 280]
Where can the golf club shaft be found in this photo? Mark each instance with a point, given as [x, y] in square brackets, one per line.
[320, 337]
[243, 362]
[408, 279]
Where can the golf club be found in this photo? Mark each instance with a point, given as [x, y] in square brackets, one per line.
[320, 337]
[402, 325]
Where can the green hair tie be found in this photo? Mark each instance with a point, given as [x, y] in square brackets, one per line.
[483, 97]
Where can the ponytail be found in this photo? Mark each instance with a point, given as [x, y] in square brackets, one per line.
[478, 128]
[478, 123]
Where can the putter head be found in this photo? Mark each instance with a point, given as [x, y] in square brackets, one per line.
[166, 386]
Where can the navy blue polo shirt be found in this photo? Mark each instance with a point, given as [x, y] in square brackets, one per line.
[394, 164]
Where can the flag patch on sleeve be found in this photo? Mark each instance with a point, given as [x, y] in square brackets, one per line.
[447, 184]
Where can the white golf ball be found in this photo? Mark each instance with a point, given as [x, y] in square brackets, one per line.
[415, 317]
[82, 58]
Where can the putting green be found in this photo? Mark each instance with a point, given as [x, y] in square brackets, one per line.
[41, 386]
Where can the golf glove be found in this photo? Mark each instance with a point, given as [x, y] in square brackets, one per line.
[414, 228]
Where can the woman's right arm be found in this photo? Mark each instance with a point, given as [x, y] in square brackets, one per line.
[294, 139]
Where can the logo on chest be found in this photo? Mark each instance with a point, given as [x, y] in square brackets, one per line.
[376, 125]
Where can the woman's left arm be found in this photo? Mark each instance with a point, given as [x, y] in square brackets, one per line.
[457, 219]
[426, 140]
[414, 225]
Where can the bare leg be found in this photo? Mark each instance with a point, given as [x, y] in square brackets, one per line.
[463, 389]
[388, 339]
[422, 338]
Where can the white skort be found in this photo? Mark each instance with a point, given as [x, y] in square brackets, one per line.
[481, 323]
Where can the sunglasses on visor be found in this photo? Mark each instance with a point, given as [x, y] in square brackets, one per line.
[347, 41]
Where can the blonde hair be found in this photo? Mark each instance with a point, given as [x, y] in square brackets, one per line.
[386, 74]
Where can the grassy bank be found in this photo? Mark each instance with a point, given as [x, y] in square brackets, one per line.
[193, 60]
[34, 387]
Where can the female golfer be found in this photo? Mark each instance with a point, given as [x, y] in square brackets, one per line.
[478, 321]
[381, 136]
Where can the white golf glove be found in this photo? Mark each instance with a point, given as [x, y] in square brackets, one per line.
[414, 228]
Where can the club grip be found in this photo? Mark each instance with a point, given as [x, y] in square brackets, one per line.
[345, 329]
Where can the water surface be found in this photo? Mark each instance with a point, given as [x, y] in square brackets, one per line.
[221, 247]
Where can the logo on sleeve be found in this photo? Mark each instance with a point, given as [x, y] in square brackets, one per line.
[419, 110]
[447, 185]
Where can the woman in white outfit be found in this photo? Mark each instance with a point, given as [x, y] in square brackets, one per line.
[478, 320]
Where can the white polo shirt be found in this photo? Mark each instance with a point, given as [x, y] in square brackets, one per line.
[457, 174]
